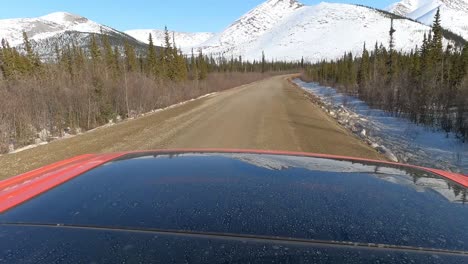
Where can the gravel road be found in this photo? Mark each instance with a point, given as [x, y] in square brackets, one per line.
[271, 114]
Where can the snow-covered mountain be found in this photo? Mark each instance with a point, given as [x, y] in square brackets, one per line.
[288, 30]
[182, 39]
[283, 29]
[255, 23]
[454, 13]
[60, 29]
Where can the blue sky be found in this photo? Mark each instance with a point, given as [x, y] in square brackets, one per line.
[179, 15]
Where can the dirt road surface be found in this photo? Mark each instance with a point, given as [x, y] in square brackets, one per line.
[271, 114]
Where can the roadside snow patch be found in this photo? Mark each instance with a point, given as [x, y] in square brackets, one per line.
[395, 137]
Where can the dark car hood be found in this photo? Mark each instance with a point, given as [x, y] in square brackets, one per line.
[250, 196]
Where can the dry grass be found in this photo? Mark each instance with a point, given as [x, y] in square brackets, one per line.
[62, 104]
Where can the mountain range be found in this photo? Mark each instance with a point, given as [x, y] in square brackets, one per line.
[288, 30]
[182, 39]
[282, 29]
[59, 29]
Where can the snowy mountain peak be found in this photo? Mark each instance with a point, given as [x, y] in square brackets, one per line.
[255, 23]
[59, 28]
[47, 26]
[290, 3]
[405, 7]
[323, 31]
[278, 5]
[64, 18]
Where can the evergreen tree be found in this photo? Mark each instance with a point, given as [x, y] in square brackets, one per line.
[202, 67]
[392, 64]
[130, 57]
[433, 63]
[7, 65]
[464, 59]
[79, 58]
[363, 72]
[263, 62]
[193, 66]
[436, 44]
[32, 63]
[424, 44]
[168, 60]
[116, 61]
[57, 53]
[180, 68]
[152, 60]
[392, 39]
[108, 55]
[67, 61]
[95, 52]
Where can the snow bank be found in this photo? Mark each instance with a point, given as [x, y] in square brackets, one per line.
[397, 138]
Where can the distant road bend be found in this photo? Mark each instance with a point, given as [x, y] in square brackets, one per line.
[271, 114]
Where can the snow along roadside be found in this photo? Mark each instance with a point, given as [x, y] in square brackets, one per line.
[347, 119]
[397, 138]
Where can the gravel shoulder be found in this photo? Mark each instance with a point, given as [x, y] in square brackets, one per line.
[271, 114]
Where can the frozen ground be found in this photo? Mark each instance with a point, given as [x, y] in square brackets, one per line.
[396, 137]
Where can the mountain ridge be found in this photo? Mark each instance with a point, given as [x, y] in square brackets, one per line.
[453, 13]
[257, 21]
[323, 31]
[59, 29]
[283, 29]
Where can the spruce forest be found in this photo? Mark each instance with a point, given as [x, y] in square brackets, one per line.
[429, 85]
[83, 89]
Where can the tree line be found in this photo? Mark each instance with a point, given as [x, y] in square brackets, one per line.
[82, 88]
[428, 85]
